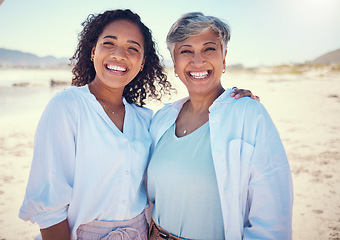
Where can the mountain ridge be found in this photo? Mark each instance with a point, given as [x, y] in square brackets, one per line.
[331, 57]
[15, 58]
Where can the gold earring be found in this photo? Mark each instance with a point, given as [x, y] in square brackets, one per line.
[92, 58]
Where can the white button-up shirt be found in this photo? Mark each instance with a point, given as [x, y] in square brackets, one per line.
[252, 170]
[84, 167]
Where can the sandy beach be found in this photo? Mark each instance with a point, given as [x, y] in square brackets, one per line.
[304, 104]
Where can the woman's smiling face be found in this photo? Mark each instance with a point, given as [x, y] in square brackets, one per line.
[119, 53]
[199, 62]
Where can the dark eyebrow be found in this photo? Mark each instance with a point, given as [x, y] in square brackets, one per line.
[129, 41]
[109, 36]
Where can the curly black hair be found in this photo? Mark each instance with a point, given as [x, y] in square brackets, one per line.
[144, 84]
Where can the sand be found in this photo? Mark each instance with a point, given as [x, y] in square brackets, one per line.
[304, 104]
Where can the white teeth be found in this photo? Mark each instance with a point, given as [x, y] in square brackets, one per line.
[199, 74]
[116, 68]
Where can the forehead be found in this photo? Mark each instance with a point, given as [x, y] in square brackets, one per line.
[123, 30]
[204, 38]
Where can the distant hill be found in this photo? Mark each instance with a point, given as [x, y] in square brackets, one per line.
[14, 58]
[330, 57]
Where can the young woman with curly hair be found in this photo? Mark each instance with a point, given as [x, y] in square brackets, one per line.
[92, 142]
[143, 85]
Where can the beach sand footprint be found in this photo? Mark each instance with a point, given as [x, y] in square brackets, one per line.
[335, 233]
[317, 211]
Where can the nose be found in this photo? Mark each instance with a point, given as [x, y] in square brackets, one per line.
[198, 60]
[118, 53]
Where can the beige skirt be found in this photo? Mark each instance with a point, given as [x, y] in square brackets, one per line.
[136, 228]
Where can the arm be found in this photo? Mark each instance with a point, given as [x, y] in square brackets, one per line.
[270, 189]
[50, 184]
[60, 231]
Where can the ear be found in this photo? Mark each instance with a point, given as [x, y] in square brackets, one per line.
[224, 59]
[93, 51]
[173, 62]
[142, 65]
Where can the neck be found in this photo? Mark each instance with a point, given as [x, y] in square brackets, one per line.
[201, 103]
[104, 93]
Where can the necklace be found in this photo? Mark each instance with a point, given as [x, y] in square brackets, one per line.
[110, 111]
[113, 112]
[186, 124]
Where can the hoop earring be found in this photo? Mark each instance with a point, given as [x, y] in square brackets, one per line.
[92, 58]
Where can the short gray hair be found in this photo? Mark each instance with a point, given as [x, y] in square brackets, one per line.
[196, 23]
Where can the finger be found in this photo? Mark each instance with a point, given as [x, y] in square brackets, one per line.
[257, 98]
[244, 93]
[234, 92]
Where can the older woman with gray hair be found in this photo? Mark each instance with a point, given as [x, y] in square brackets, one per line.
[218, 168]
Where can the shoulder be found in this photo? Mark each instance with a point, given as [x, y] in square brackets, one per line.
[252, 111]
[225, 101]
[249, 104]
[163, 111]
[242, 112]
[242, 105]
[65, 101]
[142, 112]
[169, 111]
[67, 95]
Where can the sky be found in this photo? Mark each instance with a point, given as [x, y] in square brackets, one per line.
[263, 32]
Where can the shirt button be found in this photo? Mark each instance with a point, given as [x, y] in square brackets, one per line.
[127, 172]
[124, 202]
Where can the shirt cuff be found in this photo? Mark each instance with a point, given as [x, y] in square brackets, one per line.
[48, 219]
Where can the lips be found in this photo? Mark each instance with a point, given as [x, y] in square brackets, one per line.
[199, 75]
[116, 68]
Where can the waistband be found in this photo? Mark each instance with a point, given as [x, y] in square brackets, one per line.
[135, 228]
[158, 233]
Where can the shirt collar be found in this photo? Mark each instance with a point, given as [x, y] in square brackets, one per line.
[86, 92]
[179, 104]
[223, 98]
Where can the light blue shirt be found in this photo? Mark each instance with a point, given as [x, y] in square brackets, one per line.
[251, 166]
[83, 166]
[183, 187]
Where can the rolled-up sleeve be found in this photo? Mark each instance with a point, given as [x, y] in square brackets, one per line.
[50, 183]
